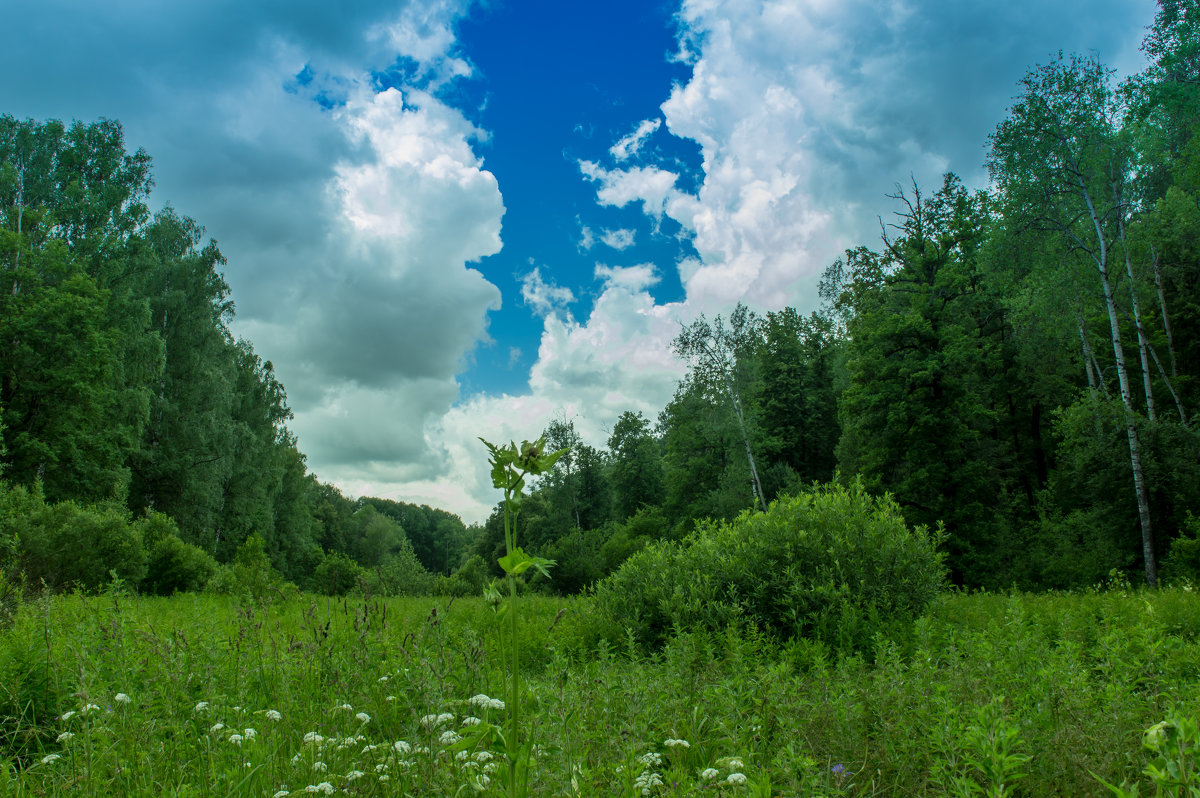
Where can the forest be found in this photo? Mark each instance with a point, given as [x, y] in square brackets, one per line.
[1017, 366]
[940, 536]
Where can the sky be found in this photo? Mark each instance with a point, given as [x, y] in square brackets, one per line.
[447, 219]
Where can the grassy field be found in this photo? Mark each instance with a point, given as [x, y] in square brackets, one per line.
[205, 695]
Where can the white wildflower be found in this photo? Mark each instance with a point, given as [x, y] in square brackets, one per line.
[471, 721]
[462, 756]
[324, 787]
[483, 756]
[343, 708]
[449, 738]
[250, 733]
[50, 759]
[320, 767]
[651, 760]
[735, 779]
[216, 727]
[734, 763]
[62, 738]
[236, 739]
[709, 773]
[281, 794]
[483, 781]
[385, 777]
[647, 782]
[402, 747]
[673, 743]
[70, 713]
[201, 707]
[121, 698]
[382, 679]
[272, 714]
[368, 748]
[362, 717]
[381, 767]
[313, 737]
[354, 775]
[390, 698]
[88, 708]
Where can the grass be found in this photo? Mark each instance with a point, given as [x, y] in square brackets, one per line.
[1044, 695]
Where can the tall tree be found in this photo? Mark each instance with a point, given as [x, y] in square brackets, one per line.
[1061, 160]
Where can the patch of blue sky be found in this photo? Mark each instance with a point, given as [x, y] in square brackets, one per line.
[554, 84]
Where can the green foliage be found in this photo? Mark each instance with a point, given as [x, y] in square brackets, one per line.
[250, 575]
[66, 545]
[337, 574]
[1183, 562]
[835, 564]
[173, 566]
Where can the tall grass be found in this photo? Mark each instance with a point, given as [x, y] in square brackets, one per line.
[202, 695]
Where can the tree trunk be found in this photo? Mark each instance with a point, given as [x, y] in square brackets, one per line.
[1135, 449]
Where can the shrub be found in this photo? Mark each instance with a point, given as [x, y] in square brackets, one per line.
[174, 566]
[66, 545]
[250, 574]
[337, 574]
[833, 564]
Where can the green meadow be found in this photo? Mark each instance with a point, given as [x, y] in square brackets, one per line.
[1051, 694]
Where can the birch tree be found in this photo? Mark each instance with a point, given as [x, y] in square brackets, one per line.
[1060, 160]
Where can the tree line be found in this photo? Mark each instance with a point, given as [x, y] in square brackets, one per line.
[124, 393]
[1020, 365]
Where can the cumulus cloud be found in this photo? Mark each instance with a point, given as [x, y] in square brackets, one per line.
[544, 297]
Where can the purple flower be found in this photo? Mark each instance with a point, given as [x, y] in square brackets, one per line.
[839, 769]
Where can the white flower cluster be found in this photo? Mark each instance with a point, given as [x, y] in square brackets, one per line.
[483, 702]
[670, 742]
[433, 721]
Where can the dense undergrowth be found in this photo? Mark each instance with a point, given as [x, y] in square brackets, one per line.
[115, 694]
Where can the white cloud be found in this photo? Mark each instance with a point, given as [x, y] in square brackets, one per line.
[619, 239]
[628, 146]
[544, 297]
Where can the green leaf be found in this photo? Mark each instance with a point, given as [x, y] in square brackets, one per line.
[518, 562]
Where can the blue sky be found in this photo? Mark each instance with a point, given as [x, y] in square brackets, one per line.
[447, 219]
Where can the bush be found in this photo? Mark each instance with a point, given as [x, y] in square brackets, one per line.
[250, 574]
[337, 574]
[67, 545]
[173, 566]
[834, 564]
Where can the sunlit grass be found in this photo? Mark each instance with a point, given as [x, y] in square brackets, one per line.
[201, 695]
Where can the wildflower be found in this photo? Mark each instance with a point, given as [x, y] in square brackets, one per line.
[449, 738]
[647, 782]
[70, 713]
[390, 698]
[62, 738]
[216, 727]
[313, 737]
[354, 775]
[236, 739]
[121, 698]
[362, 717]
[838, 770]
[651, 759]
[88, 708]
[272, 714]
[484, 702]
[735, 779]
[368, 748]
[462, 756]
[385, 777]
[382, 679]
[320, 767]
[483, 756]
[50, 759]
[709, 773]
[201, 707]
[735, 764]
[324, 787]
[381, 767]
[250, 733]
[402, 747]
[281, 794]
[483, 781]
[343, 708]
[471, 721]
[672, 743]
